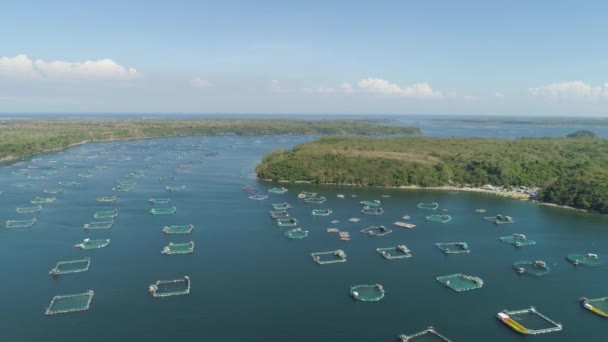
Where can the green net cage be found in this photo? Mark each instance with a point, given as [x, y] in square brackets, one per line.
[70, 303]
[296, 233]
[460, 282]
[517, 240]
[178, 229]
[367, 293]
[179, 248]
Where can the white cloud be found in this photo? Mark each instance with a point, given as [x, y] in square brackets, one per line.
[346, 87]
[22, 67]
[321, 90]
[499, 94]
[275, 86]
[198, 82]
[382, 86]
[571, 90]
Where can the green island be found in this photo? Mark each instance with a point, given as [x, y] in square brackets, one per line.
[20, 138]
[569, 171]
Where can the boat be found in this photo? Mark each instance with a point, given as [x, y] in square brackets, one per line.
[587, 305]
[511, 323]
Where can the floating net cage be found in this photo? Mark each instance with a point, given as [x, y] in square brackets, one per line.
[20, 223]
[258, 197]
[163, 211]
[106, 214]
[126, 183]
[71, 266]
[179, 248]
[296, 233]
[373, 204]
[315, 200]
[22, 185]
[281, 206]
[53, 191]
[529, 321]
[480, 210]
[306, 194]
[167, 288]
[287, 222]
[329, 257]
[598, 306]
[178, 229]
[517, 240]
[85, 175]
[124, 188]
[427, 205]
[29, 210]
[278, 214]
[43, 200]
[107, 199]
[68, 183]
[367, 293]
[249, 188]
[460, 282]
[372, 210]
[404, 225]
[499, 219]
[159, 200]
[99, 225]
[175, 188]
[429, 334]
[70, 303]
[453, 247]
[398, 252]
[280, 190]
[321, 212]
[166, 179]
[376, 231]
[439, 218]
[537, 267]
[92, 243]
[589, 259]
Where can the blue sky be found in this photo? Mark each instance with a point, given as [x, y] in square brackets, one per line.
[372, 57]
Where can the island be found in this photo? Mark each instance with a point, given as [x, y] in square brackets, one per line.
[569, 171]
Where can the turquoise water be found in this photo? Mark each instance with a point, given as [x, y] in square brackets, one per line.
[249, 282]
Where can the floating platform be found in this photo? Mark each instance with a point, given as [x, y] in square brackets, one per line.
[315, 200]
[537, 268]
[329, 257]
[159, 200]
[179, 248]
[20, 223]
[173, 188]
[281, 206]
[178, 229]
[106, 214]
[258, 197]
[453, 247]
[376, 231]
[296, 233]
[29, 210]
[278, 191]
[428, 206]
[70, 303]
[399, 252]
[429, 334]
[460, 282]
[287, 222]
[168, 288]
[589, 259]
[43, 200]
[528, 321]
[598, 306]
[53, 191]
[99, 225]
[373, 204]
[404, 225]
[499, 219]
[92, 244]
[278, 214]
[367, 293]
[439, 218]
[517, 240]
[71, 266]
[321, 212]
[163, 211]
[106, 199]
[372, 210]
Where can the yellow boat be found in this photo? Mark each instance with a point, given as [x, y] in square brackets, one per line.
[511, 323]
[593, 309]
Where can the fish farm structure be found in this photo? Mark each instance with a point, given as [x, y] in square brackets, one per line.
[167, 288]
[163, 211]
[439, 218]
[70, 303]
[287, 222]
[529, 321]
[20, 223]
[598, 306]
[425, 335]
[376, 231]
[71, 266]
[281, 206]
[99, 225]
[258, 197]
[453, 247]
[329, 257]
[374, 203]
[404, 225]
[499, 219]
[179, 248]
[399, 252]
[537, 267]
[460, 282]
[106, 214]
[92, 244]
[367, 293]
[53, 191]
[321, 212]
[29, 210]
[372, 210]
[306, 194]
[429, 206]
[278, 214]
[279, 191]
[175, 188]
[159, 200]
[296, 233]
[315, 200]
[43, 200]
[517, 240]
[589, 259]
[68, 183]
[107, 199]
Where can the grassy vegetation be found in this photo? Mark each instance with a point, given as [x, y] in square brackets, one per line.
[569, 171]
[20, 138]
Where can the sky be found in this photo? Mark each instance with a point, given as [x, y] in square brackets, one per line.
[516, 58]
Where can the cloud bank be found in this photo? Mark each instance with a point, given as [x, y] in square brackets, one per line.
[380, 86]
[198, 82]
[571, 90]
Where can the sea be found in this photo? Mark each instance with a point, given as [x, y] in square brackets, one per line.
[250, 282]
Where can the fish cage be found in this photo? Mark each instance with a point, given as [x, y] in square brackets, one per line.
[376, 231]
[85, 175]
[453, 247]
[163, 211]
[249, 188]
[178, 229]
[106, 214]
[404, 225]
[98, 225]
[499, 219]
[159, 200]
[517, 240]
[329, 257]
[71, 266]
[68, 183]
[296, 233]
[529, 321]
[480, 210]
[20, 223]
[439, 218]
[429, 334]
[167, 288]
[53, 191]
[29, 210]
[589, 259]
[460, 282]
[107, 199]
[123, 188]
[399, 252]
[175, 187]
[179, 248]
[258, 197]
[126, 183]
[306, 194]
[70, 303]
[278, 214]
[373, 204]
[92, 243]
[367, 293]
[281, 206]
[22, 185]
[287, 222]
[43, 200]
[428, 206]
[598, 306]
[537, 267]
[321, 212]
[315, 200]
[372, 210]
[278, 191]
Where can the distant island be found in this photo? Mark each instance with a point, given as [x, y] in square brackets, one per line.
[569, 171]
[19, 138]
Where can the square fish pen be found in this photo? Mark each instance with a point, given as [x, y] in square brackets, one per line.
[163, 211]
[107, 199]
[106, 214]
[399, 252]
[93, 244]
[376, 231]
[258, 197]
[529, 321]
[372, 210]
[178, 229]
[278, 214]
[315, 200]
[175, 188]
[460, 282]
[168, 288]
[499, 219]
[281, 206]
[453, 247]
[71, 266]
[439, 218]
[159, 200]
[589, 259]
[598, 306]
[429, 334]
[43, 200]
[329, 257]
[321, 212]
[428, 206]
[517, 240]
[537, 268]
[70, 303]
[296, 233]
[20, 223]
[287, 222]
[53, 191]
[179, 248]
[99, 225]
[29, 210]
